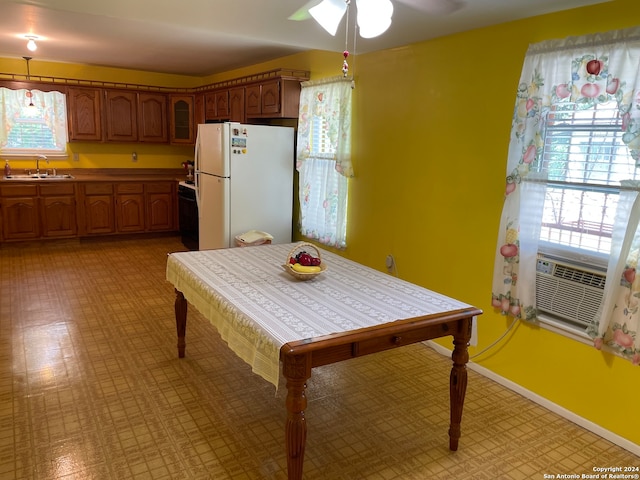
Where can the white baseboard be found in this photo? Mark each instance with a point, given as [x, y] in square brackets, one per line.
[534, 397]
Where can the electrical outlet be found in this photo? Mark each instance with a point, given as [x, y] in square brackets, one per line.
[76, 157]
[390, 263]
[134, 157]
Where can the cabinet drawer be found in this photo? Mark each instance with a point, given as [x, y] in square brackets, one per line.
[130, 188]
[159, 187]
[58, 189]
[19, 190]
[385, 342]
[98, 188]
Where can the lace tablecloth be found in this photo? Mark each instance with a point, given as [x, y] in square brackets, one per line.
[257, 307]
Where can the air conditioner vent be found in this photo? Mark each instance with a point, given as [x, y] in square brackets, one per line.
[582, 277]
[568, 292]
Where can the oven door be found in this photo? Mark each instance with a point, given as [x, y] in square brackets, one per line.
[188, 216]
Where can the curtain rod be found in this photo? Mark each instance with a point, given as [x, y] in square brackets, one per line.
[586, 186]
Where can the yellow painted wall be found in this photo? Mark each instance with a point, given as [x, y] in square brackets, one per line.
[431, 131]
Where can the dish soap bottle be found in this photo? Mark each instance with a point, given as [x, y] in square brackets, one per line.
[7, 168]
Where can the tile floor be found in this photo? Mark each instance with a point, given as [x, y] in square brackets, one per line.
[91, 388]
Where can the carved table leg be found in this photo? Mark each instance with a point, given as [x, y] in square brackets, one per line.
[297, 371]
[181, 321]
[458, 379]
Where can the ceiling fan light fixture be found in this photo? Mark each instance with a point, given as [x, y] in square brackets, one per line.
[328, 14]
[374, 17]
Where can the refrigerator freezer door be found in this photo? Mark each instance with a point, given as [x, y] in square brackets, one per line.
[213, 212]
[261, 196]
[211, 151]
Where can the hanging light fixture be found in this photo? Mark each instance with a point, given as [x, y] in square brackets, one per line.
[31, 44]
[29, 93]
[374, 16]
[329, 13]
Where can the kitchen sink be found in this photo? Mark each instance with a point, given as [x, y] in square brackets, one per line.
[36, 176]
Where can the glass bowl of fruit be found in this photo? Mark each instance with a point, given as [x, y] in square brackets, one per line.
[304, 261]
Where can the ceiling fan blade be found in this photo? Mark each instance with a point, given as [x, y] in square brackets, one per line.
[303, 12]
[435, 7]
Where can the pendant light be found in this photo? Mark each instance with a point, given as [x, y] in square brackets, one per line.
[29, 93]
[31, 44]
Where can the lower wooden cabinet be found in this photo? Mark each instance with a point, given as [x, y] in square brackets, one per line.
[58, 210]
[161, 206]
[32, 211]
[99, 209]
[77, 209]
[130, 207]
[20, 219]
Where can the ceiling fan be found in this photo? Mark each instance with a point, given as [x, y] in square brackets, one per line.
[373, 16]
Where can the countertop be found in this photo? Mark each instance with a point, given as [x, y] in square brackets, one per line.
[109, 175]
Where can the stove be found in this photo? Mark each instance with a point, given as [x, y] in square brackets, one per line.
[188, 215]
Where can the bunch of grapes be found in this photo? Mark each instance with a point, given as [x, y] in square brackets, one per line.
[306, 259]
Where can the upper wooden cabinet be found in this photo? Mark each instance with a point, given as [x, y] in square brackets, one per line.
[199, 109]
[222, 104]
[210, 106]
[117, 113]
[278, 98]
[121, 114]
[153, 126]
[216, 105]
[182, 130]
[237, 105]
[84, 112]
[253, 100]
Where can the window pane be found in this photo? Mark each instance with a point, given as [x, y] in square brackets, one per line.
[35, 122]
[585, 160]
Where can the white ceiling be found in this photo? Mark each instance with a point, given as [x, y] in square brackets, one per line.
[203, 37]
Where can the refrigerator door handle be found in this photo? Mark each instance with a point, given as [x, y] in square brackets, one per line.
[196, 172]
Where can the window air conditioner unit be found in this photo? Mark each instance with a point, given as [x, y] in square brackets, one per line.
[568, 292]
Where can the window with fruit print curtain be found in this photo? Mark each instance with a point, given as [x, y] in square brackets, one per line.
[324, 159]
[573, 181]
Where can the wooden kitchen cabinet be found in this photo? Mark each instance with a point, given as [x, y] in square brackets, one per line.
[199, 110]
[222, 105]
[84, 112]
[160, 206]
[130, 207]
[237, 105]
[99, 209]
[253, 100]
[210, 106]
[58, 210]
[182, 131]
[153, 126]
[40, 210]
[19, 207]
[31, 211]
[20, 219]
[121, 116]
[217, 106]
[278, 98]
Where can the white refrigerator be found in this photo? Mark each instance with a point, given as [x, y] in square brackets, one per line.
[244, 182]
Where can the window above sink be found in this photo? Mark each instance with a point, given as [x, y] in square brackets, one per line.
[36, 123]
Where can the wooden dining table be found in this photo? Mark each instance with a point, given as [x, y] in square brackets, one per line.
[281, 325]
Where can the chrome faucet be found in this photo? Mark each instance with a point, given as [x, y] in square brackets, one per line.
[38, 158]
